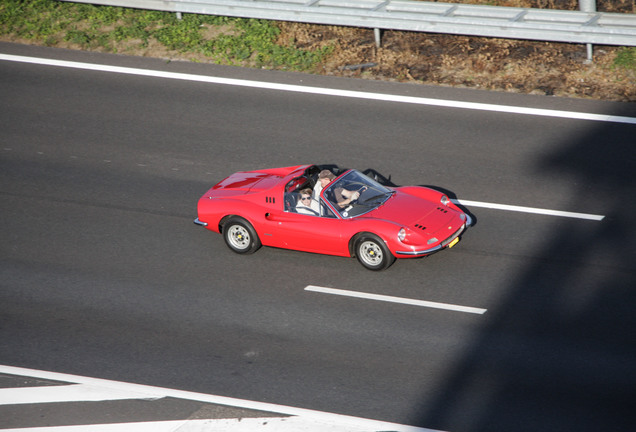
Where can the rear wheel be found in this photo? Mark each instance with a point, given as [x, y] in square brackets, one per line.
[373, 253]
[240, 236]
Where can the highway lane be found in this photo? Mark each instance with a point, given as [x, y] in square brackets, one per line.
[105, 275]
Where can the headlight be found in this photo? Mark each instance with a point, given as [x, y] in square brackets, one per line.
[444, 200]
[401, 234]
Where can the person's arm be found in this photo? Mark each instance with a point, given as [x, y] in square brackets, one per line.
[348, 197]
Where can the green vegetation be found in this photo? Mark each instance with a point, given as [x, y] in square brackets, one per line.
[626, 58]
[232, 41]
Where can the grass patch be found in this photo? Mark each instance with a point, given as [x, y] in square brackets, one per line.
[113, 29]
[626, 58]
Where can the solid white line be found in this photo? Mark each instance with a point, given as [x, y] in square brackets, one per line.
[165, 426]
[262, 424]
[324, 91]
[391, 299]
[65, 393]
[159, 392]
[529, 210]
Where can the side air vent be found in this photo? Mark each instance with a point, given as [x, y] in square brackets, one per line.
[270, 200]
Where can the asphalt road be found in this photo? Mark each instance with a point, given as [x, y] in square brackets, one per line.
[105, 275]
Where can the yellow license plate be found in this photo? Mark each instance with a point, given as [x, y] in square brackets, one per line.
[453, 243]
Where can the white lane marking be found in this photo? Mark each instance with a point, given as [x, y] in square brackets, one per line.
[263, 424]
[529, 210]
[324, 91]
[65, 393]
[306, 415]
[352, 94]
[391, 299]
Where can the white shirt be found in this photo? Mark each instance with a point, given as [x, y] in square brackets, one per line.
[312, 209]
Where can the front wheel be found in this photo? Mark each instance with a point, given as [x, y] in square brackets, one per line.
[240, 236]
[373, 253]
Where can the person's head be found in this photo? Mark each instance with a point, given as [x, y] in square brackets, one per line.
[325, 177]
[305, 196]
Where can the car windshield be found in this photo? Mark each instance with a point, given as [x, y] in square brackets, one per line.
[355, 194]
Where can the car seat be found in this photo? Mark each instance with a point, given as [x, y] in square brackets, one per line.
[290, 201]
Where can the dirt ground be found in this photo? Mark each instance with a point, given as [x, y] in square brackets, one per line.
[495, 64]
[486, 63]
[532, 67]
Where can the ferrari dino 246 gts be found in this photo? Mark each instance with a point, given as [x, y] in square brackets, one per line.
[352, 215]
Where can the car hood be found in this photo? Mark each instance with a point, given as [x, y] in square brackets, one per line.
[418, 214]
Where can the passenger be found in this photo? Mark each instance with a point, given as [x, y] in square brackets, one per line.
[307, 205]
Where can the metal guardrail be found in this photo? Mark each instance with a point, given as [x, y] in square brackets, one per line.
[470, 20]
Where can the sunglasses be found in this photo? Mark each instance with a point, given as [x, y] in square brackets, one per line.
[305, 198]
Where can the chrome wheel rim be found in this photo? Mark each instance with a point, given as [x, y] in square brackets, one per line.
[239, 237]
[371, 253]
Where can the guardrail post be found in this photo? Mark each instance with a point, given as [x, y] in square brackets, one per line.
[588, 6]
[376, 33]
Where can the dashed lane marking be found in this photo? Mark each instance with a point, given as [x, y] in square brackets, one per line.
[391, 299]
[533, 210]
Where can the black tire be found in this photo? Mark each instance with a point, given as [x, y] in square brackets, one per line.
[240, 236]
[372, 253]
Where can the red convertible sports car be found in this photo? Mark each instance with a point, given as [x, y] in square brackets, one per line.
[309, 209]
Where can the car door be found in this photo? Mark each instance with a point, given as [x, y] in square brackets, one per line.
[308, 233]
